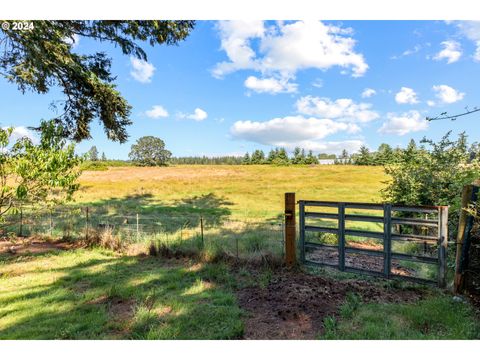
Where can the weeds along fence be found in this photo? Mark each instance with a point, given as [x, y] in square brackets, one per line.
[186, 232]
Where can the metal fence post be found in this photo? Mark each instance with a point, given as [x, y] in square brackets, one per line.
[201, 231]
[86, 224]
[20, 231]
[387, 239]
[442, 245]
[301, 218]
[137, 228]
[341, 236]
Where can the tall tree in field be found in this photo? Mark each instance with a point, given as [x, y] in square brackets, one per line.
[93, 154]
[149, 151]
[104, 158]
[42, 57]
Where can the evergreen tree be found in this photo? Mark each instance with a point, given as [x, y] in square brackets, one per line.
[363, 157]
[93, 154]
[246, 159]
[296, 159]
[272, 155]
[311, 159]
[104, 158]
[384, 155]
[258, 157]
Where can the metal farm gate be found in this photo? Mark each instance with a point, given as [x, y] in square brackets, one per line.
[404, 242]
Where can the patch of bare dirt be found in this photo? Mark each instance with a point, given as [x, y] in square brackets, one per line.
[359, 261]
[294, 304]
[33, 246]
[121, 310]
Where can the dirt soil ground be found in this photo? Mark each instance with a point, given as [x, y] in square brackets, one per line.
[294, 304]
[359, 261]
[32, 246]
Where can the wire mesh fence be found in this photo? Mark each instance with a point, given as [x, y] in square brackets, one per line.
[189, 232]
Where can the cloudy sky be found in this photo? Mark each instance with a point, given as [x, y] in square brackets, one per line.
[232, 87]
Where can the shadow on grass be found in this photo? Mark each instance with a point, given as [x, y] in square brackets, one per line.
[96, 295]
[154, 215]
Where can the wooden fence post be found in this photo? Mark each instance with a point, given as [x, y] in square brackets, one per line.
[467, 195]
[290, 229]
[442, 243]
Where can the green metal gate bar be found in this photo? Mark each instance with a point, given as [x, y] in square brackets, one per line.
[438, 225]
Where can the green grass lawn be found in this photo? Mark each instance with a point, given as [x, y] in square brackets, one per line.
[94, 294]
[97, 294]
[435, 318]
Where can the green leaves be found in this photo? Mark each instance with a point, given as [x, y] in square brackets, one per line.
[149, 151]
[42, 58]
[43, 173]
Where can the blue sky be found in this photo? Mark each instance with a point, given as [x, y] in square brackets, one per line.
[232, 87]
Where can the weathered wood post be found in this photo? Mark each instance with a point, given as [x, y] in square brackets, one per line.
[442, 243]
[468, 193]
[290, 229]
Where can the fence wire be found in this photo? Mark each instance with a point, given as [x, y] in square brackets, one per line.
[189, 232]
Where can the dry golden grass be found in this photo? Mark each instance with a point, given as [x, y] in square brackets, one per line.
[246, 191]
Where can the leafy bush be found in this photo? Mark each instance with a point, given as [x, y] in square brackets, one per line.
[434, 175]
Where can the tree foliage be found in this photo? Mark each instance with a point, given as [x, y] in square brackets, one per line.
[150, 151]
[93, 154]
[434, 173]
[42, 58]
[44, 173]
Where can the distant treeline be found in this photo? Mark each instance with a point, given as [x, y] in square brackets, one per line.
[384, 155]
[279, 156]
[206, 160]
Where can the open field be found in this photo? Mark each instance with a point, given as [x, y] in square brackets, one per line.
[98, 294]
[253, 191]
[56, 290]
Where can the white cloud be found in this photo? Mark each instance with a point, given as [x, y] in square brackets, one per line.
[157, 111]
[368, 93]
[270, 85]
[405, 123]
[341, 109]
[235, 41]
[406, 96]
[470, 30]
[19, 132]
[447, 94]
[287, 47]
[318, 83]
[74, 40]
[288, 130]
[431, 103]
[451, 51]
[142, 71]
[197, 115]
[408, 52]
